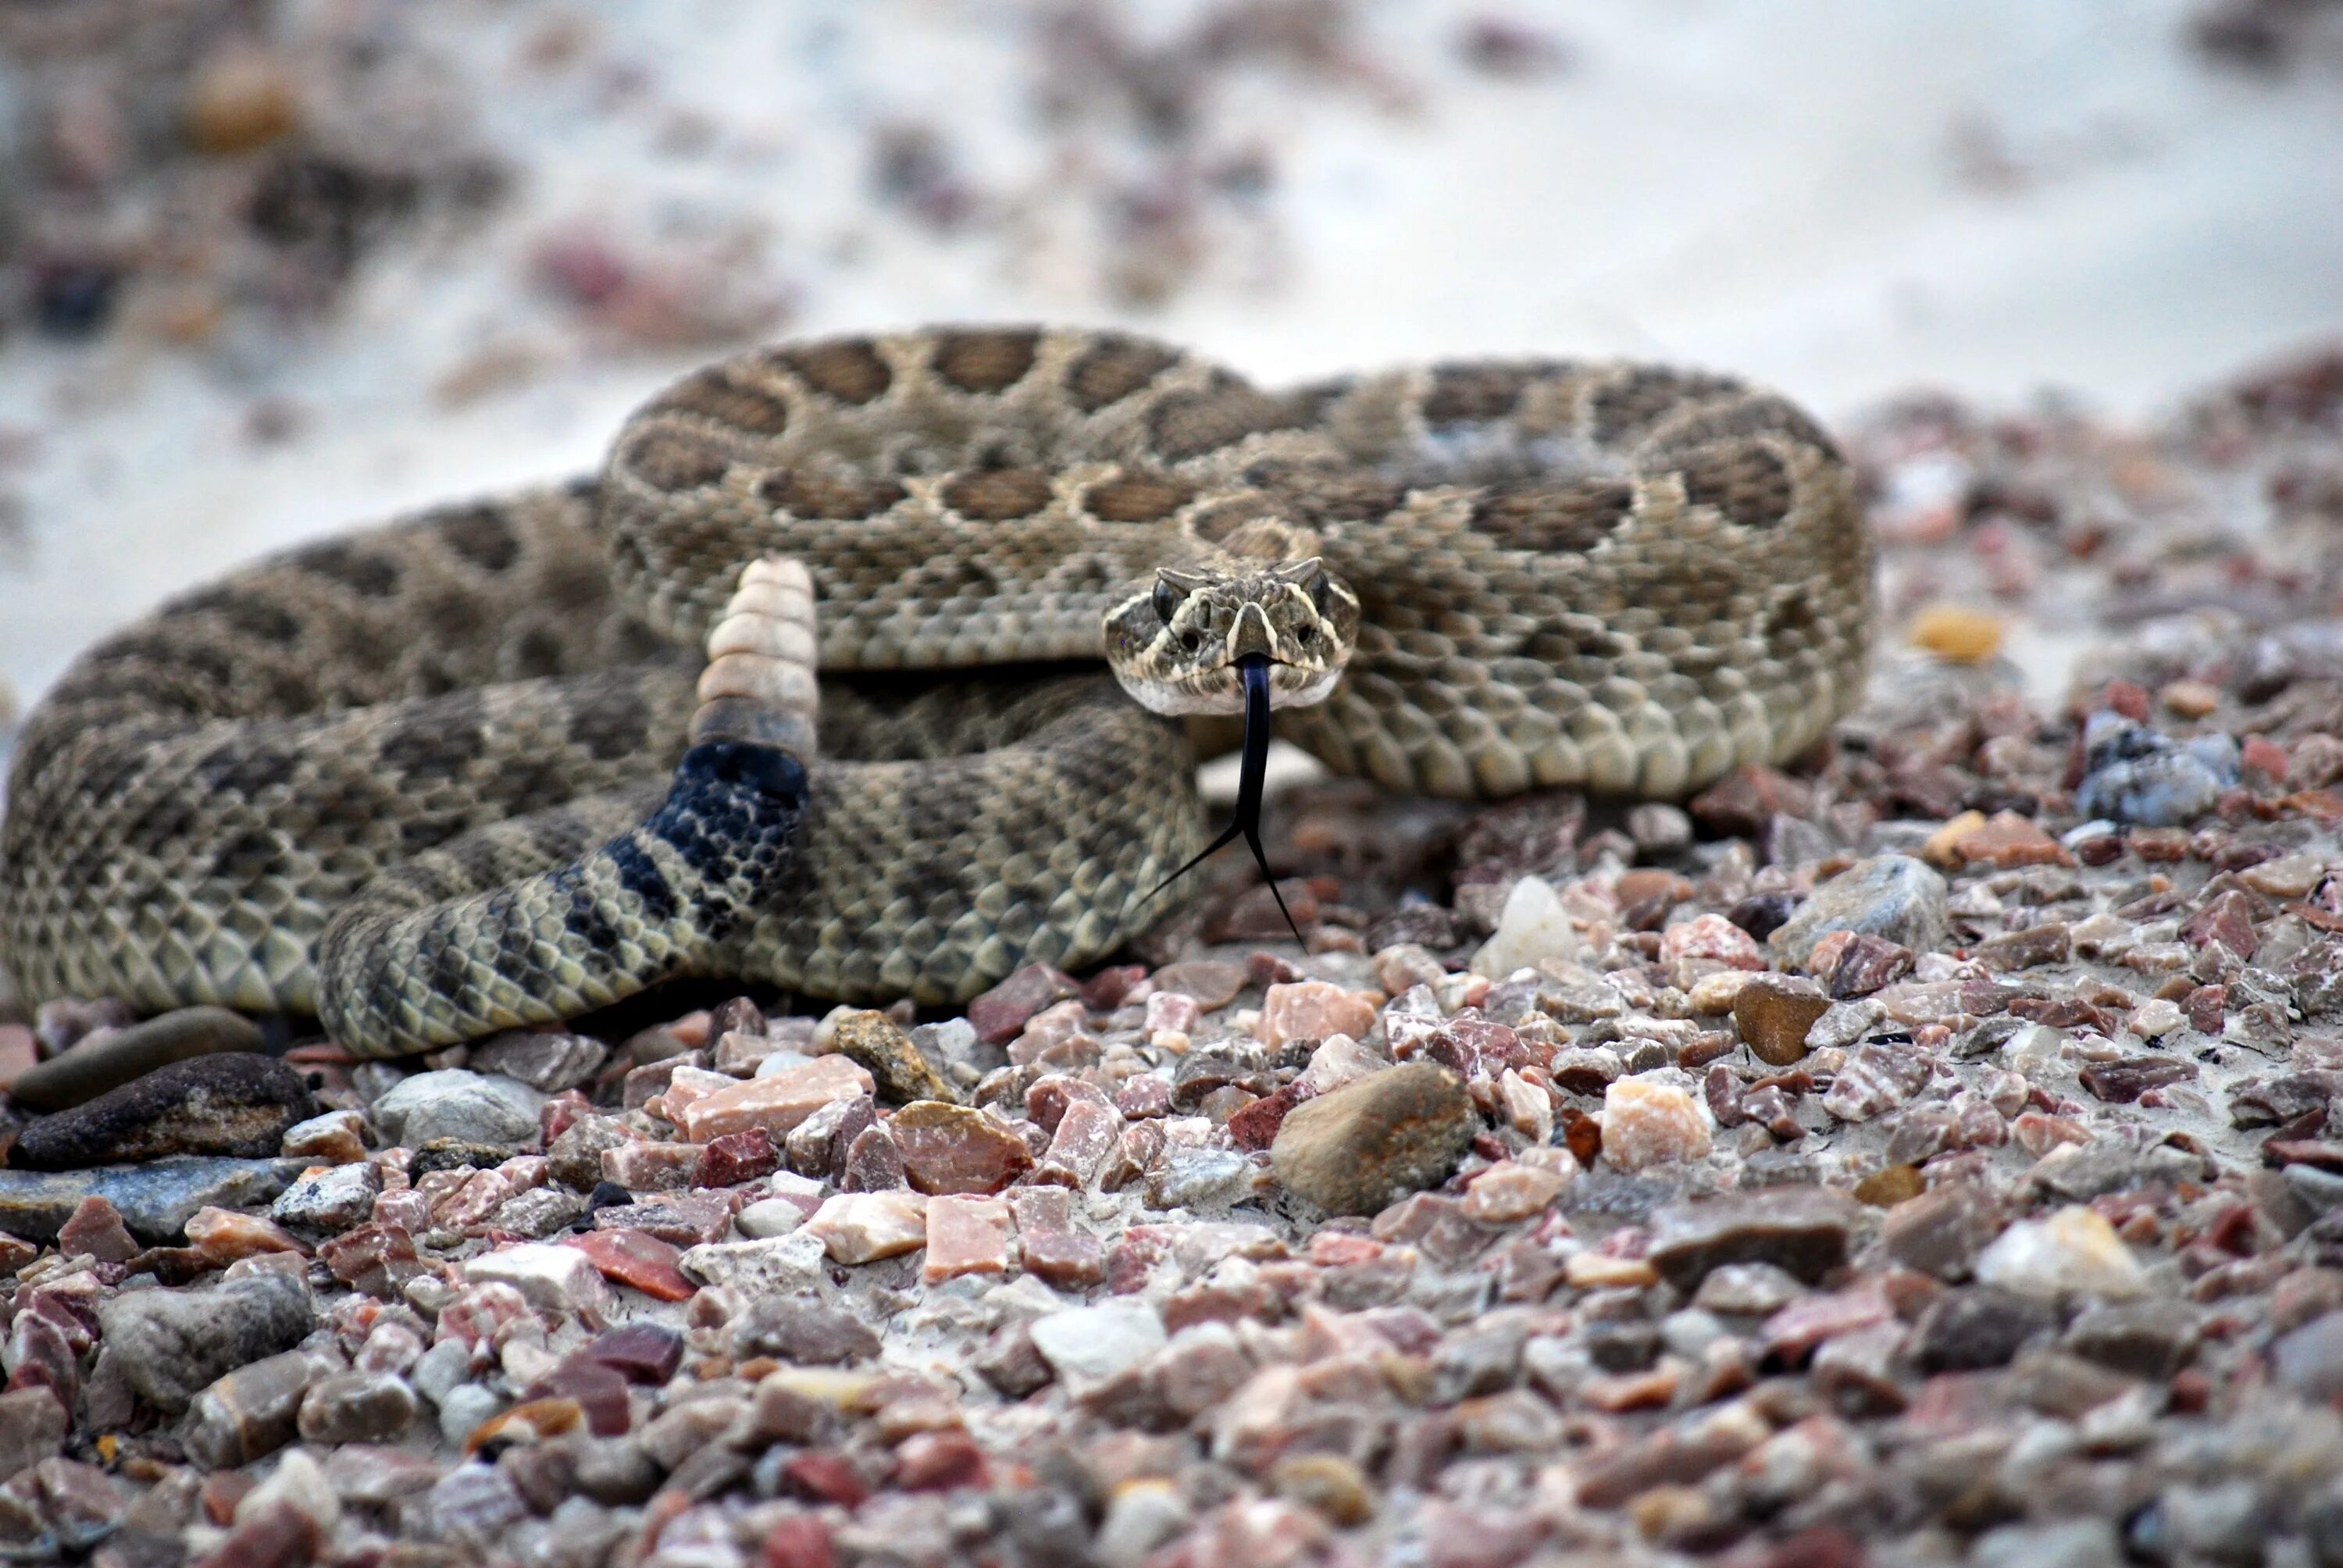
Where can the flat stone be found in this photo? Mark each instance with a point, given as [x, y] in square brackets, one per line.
[1802, 1230]
[1647, 1124]
[252, 1411]
[1313, 1011]
[154, 1200]
[32, 1429]
[1979, 1327]
[109, 1059]
[172, 1343]
[802, 1329]
[236, 1104]
[897, 1072]
[862, 1226]
[1774, 1012]
[777, 1103]
[2074, 1252]
[1890, 895]
[336, 1138]
[2309, 1360]
[1090, 1344]
[1363, 1146]
[547, 1063]
[358, 1407]
[956, 1149]
[329, 1198]
[792, 1262]
[1207, 984]
[965, 1236]
[560, 1279]
[1001, 1014]
[1941, 1231]
[225, 1235]
[468, 1106]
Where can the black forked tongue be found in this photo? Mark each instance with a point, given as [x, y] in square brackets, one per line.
[1246, 824]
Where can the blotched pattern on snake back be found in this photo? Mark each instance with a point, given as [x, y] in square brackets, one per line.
[1630, 578]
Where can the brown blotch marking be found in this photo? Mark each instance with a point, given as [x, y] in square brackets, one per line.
[367, 576]
[1137, 498]
[1794, 611]
[998, 495]
[1464, 393]
[617, 723]
[985, 361]
[1554, 518]
[715, 395]
[1745, 416]
[1632, 404]
[436, 737]
[848, 370]
[1113, 368]
[1746, 482]
[807, 494]
[252, 617]
[667, 461]
[1195, 422]
[482, 536]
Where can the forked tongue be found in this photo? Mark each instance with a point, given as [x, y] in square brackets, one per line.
[1253, 767]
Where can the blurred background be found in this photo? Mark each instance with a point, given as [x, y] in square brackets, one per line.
[268, 269]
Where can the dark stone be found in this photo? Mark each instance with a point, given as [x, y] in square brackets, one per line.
[109, 1060]
[1001, 1014]
[1803, 1229]
[251, 1413]
[154, 1201]
[454, 1154]
[1977, 1327]
[2122, 1082]
[801, 1329]
[1356, 1149]
[1941, 1231]
[236, 1104]
[2151, 1339]
[171, 1343]
[643, 1352]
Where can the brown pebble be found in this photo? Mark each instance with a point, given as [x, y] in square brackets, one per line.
[1883, 1189]
[1774, 1013]
[1356, 1149]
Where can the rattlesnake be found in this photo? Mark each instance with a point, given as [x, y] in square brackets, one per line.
[424, 780]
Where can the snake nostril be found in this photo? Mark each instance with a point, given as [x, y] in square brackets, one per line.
[1190, 641]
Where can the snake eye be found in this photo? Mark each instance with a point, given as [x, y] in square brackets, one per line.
[1190, 641]
[1167, 602]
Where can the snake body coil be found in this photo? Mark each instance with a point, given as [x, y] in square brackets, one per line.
[425, 778]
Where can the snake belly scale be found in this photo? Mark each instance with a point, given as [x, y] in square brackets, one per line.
[474, 769]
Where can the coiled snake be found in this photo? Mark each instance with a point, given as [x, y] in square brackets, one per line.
[503, 763]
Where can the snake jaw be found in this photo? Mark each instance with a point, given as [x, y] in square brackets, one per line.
[1184, 645]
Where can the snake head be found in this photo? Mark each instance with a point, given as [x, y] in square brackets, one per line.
[1178, 643]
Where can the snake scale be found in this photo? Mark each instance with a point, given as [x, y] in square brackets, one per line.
[499, 764]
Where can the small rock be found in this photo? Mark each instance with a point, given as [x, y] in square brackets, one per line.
[241, 97]
[637, 1260]
[32, 1429]
[783, 1263]
[329, 1198]
[862, 1227]
[2075, 1251]
[1875, 1079]
[96, 1231]
[233, 1104]
[172, 1343]
[252, 1411]
[1774, 1013]
[802, 1329]
[2149, 1339]
[1198, 1179]
[2133, 775]
[1210, 985]
[1532, 927]
[1362, 1147]
[1941, 1231]
[1802, 1231]
[1001, 1014]
[336, 1138]
[113, 1058]
[547, 1063]
[225, 1235]
[897, 1072]
[1891, 896]
[560, 1279]
[468, 1106]
[2309, 1360]
[777, 1103]
[358, 1407]
[966, 1236]
[949, 1148]
[1956, 632]
[1313, 1011]
[1087, 1345]
[1647, 1124]
[1979, 1327]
